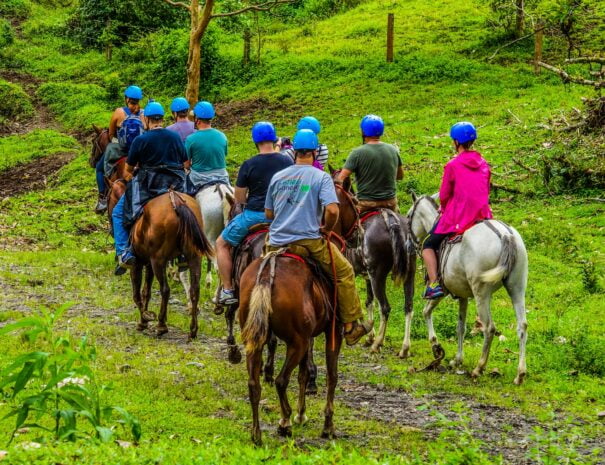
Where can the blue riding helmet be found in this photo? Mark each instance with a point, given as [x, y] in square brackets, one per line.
[305, 139]
[463, 132]
[372, 126]
[263, 131]
[133, 92]
[203, 110]
[179, 104]
[154, 109]
[309, 122]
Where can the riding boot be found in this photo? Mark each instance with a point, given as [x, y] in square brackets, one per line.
[101, 204]
[359, 329]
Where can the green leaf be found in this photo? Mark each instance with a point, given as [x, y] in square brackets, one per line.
[22, 416]
[23, 377]
[28, 322]
[104, 433]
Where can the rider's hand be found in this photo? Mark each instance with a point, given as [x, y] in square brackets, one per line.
[324, 231]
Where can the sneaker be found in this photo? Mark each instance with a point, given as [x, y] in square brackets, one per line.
[127, 259]
[119, 271]
[101, 204]
[358, 331]
[227, 297]
[433, 291]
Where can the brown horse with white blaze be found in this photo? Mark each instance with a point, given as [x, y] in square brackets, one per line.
[286, 298]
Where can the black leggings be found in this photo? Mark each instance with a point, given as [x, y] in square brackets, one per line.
[434, 240]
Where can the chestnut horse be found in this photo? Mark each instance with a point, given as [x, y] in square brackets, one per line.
[100, 139]
[281, 296]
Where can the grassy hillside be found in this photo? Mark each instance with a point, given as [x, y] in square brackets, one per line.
[55, 249]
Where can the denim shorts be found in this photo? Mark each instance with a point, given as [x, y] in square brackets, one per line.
[237, 229]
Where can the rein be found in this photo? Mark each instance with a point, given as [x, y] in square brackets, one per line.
[356, 224]
[334, 291]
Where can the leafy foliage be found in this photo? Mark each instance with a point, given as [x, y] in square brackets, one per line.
[15, 8]
[36, 144]
[7, 35]
[54, 388]
[15, 104]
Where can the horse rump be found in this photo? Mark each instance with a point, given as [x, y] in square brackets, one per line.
[506, 262]
[402, 248]
[190, 234]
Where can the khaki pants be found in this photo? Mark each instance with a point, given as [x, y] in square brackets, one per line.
[349, 307]
[365, 205]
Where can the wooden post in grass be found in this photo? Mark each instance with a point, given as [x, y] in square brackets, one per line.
[539, 37]
[390, 30]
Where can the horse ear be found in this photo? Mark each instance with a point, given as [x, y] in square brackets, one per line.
[97, 129]
[414, 197]
[435, 196]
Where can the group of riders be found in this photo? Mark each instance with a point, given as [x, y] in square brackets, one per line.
[284, 184]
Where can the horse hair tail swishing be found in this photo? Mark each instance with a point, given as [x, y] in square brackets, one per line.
[506, 263]
[402, 248]
[189, 234]
[256, 330]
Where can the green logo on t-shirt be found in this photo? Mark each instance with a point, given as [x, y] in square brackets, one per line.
[305, 188]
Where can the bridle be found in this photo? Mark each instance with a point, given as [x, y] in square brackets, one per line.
[415, 239]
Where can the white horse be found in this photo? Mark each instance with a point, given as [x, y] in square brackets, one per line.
[477, 266]
[215, 202]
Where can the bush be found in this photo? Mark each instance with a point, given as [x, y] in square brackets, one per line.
[15, 8]
[588, 353]
[7, 35]
[15, 104]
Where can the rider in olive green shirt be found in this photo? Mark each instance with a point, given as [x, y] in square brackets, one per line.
[376, 166]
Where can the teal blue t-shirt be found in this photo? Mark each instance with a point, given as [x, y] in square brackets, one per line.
[207, 150]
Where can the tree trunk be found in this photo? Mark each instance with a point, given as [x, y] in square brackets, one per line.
[193, 70]
[520, 18]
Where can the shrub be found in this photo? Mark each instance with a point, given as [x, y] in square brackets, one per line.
[15, 8]
[588, 353]
[7, 35]
[15, 104]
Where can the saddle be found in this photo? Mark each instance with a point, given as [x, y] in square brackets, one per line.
[249, 249]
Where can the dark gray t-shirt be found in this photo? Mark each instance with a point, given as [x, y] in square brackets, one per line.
[297, 196]
[375, 168]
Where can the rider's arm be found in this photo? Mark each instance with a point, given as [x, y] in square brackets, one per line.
[447, 187]
[343, 175]
[116, 119]
[269, 214]
[330, 216]
[241, 195]
[129, 172]
[399, 176]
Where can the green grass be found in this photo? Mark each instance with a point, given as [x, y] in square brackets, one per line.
[55, 249]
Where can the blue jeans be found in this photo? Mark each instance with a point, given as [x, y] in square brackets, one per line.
[237, 229]
[121, 235]
[100, 173]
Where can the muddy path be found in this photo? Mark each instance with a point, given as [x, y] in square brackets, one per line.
[503, 431]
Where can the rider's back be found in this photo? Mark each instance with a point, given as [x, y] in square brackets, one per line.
[375, 167]
[207, 149]
[158, 147]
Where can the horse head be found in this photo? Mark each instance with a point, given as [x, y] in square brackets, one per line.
[422, 215]
[100, 140]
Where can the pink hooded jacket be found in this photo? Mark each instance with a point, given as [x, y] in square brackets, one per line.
[464, 193]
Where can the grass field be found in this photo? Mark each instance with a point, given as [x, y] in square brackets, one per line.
[191, 403]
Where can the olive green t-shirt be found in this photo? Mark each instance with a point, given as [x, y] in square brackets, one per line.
[375, 168]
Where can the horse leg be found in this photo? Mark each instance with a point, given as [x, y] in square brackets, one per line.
[136, 277]
[254, 362]
[332, 351]
[147, 315]
[408, 290]
[235, 355]
[208, 273]
[184, 279]
[370, 310]
[312, 368]
[303, 378]
[427, 312]
[517, 295]
[159, 270]
[483, 298]
[194, 294]
[294, 354]
[460, 330]
[378, 280]
[270, 365]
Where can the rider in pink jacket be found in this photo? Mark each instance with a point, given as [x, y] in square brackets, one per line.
[464, 197]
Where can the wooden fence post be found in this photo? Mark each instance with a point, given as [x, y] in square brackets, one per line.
[390, 30]
[539, 37]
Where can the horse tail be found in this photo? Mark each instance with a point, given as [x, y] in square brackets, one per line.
[399, 246]
[506, 262]
[190, 234]
[256, 328]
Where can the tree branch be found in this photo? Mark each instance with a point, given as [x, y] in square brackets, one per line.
[258, 7]
[586, 60]
[514, 42]
[179, 4]
[567, 78]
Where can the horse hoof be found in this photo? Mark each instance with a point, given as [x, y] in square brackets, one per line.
[455, 363]
[160, 331]
[256, 439]
[235, 356]
[300, 421]
[519, 379]
[328, 434]
[375, 349]
[476, 373]
[192, 337]
[404, 353]
[219, 310]
[284, 431]
[148, 316]
[311, 389]
[142, 326]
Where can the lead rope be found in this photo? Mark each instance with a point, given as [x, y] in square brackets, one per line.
[335, 290]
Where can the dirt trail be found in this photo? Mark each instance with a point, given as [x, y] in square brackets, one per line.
[503, 431]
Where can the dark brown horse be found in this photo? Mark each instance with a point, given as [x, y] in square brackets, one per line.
[100, 139]
[283, 297]
[378, 244]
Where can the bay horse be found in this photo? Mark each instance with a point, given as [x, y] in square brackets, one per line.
[490, 255]
[281, 296]
[100, 139]
[378, 244]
